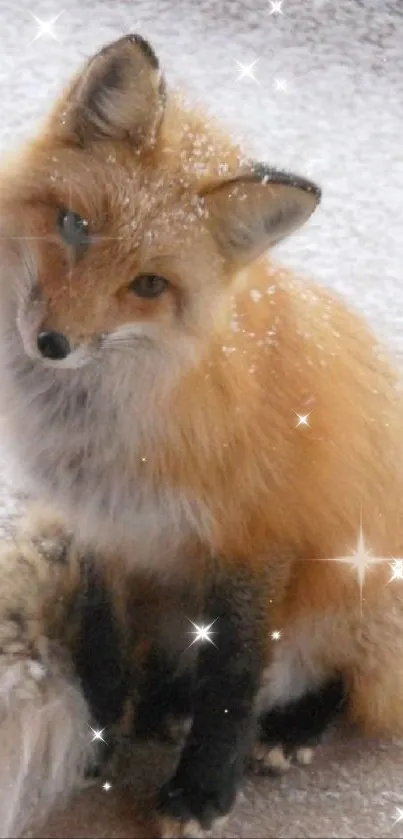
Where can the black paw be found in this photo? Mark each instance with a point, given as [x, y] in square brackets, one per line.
[290, 734]
[165, 701]
[187, 807]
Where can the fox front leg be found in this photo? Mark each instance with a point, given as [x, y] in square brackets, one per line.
[204, 786]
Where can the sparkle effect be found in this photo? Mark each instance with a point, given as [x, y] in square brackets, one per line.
[396, 566]
[202, 633]
[276, 635]
[45, 27]
[98, 734]
[280, 84]
[302, 419]
[361, 560]
[276, 7]
[399, 817]
[106, 786]
[247, 70]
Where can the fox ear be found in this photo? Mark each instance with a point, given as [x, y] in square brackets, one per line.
[120, 93]
[255, 210]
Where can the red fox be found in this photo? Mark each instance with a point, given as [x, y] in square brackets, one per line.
[202, 414]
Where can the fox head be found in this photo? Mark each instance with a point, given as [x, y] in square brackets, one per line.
[123, 226]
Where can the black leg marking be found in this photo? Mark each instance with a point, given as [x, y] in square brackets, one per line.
[165, 691]
[304, 720]
[285, 731]
[228, 676]
[99, 660]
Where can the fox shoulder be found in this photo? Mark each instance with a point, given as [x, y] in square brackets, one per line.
[189, 357]
[128, 223]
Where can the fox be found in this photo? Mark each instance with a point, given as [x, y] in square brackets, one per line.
[68, 671]
[196, 413]
[92, 661]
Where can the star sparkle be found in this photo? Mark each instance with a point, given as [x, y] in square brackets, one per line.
[106, 786]
[202, 633]
[276, 7]
[276, 635]
[45, 27]
[396, 566]
[98, 734]
[399, 817]
[280, 84]
[302, 419]
[360, 560]
[247, 70]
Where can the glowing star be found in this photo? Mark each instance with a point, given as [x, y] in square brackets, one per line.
[106, 786]
[202, 633]
[396, 566]
[276, 635]
[98, 734]
[360, 560]
[280, 84]
[399, 817]
[45, 27]
[247, 70]
[276, 7]
[302, 419]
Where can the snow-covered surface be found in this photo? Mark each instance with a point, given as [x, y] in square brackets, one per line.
[339, 120]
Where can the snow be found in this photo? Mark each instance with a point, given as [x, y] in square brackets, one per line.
[256, 295]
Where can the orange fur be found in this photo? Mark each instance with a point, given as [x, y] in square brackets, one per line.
[267, 346]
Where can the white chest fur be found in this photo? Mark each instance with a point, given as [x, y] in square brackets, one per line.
[294, 669]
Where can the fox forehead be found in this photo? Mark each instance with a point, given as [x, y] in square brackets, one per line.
[152, 181]
[162, 191]
[119, 195]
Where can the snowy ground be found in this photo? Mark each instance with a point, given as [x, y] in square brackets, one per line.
[339, 118]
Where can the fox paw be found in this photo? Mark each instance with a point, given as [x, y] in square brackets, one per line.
[171, 828]
[276, 759]
[289, 734]
[193, 813]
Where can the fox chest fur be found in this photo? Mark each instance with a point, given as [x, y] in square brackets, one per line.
[267, 447]
[156, 367]
[194, 411]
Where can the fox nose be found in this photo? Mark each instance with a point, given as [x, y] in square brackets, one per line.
[53, 345]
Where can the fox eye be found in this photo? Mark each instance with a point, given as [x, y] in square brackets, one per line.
[73, 228]
[148, 285]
